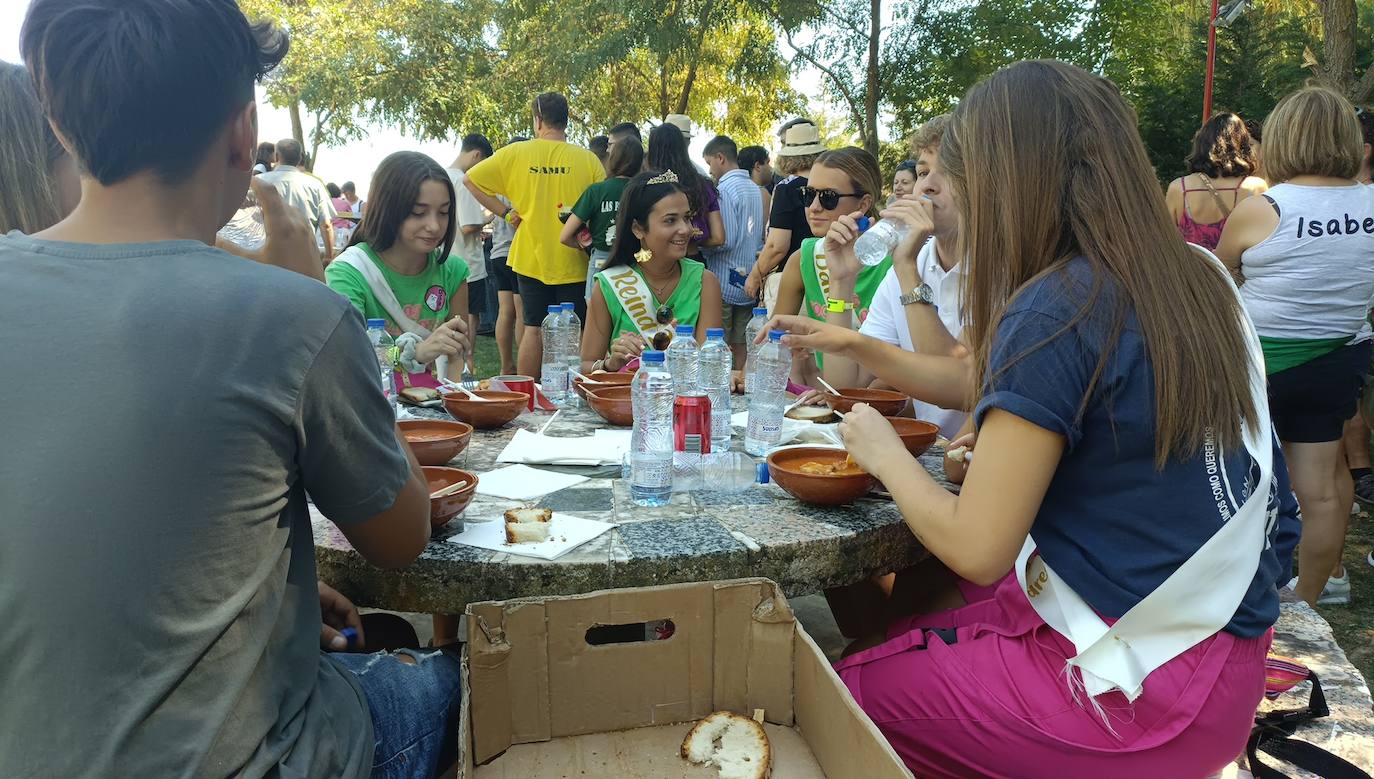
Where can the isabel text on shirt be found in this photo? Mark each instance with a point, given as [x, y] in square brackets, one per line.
[1316, 228]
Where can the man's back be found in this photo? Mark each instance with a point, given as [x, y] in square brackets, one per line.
[538, 176]
[158, 595]
[302, 192]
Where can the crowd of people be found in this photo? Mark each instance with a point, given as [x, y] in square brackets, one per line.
[1141, 371]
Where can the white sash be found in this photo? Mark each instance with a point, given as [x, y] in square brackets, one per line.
[821, 266]
[1195, 602]
[632, 294]
[357, 259]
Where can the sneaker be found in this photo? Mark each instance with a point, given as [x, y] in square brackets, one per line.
[1364, 489]
[1336, 592]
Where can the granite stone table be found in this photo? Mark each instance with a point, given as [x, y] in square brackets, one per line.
[700, 536]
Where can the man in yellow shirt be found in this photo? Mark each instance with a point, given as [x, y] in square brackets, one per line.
[540, 177]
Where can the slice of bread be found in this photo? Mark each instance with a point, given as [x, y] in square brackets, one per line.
[522, 516]
[527, 532]
[417, 395]
[818, 414]
[733, 743]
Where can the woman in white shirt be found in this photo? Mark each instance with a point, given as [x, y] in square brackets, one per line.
[1302, 253]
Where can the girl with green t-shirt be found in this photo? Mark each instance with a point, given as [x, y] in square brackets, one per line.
[842, 182]
[395, 268]
[647, 283]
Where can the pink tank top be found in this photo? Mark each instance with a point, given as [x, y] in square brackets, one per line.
[1205, 235]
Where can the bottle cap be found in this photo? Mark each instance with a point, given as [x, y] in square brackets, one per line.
[350, 637]
[652, 356]
[760, 311]
[556, 308]
[864, 223]
[567, 306]
[715, 332]
[376, 323]
[775, 335]
[685, 329]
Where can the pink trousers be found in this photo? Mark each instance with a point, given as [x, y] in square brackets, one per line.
[996, 701]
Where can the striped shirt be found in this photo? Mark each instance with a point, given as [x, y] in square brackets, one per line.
[741, 210]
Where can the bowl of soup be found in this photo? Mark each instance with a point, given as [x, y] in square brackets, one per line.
[495, 408]
[885, 402]
[917, 435]
[612, 403]
[442, 510]
[821, 475]
[601, 380]
[435, 441]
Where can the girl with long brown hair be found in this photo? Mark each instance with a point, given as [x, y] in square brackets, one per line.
[1125, 476]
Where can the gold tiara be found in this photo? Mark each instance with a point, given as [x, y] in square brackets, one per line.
[666, 177]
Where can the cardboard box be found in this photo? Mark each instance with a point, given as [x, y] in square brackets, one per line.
[540, 702]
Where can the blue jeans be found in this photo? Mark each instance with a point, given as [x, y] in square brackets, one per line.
[414, 710]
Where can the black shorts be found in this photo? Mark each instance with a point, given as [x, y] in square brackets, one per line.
[477, 296]
[1310, 403]
[505, 277]
[536, 297]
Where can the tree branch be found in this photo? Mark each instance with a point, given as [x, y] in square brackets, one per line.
[855, 112]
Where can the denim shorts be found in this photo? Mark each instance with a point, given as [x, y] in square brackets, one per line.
[414, 710]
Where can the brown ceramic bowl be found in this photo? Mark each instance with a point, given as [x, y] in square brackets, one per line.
[435, 441]
[498, 408]
[443, 510]
[916, 434]
[885, 402]
[784, 467]
[612, 403]
[602, 380]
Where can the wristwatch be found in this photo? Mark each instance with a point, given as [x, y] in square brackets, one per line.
[922, 294]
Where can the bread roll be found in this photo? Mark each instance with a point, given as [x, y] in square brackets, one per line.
[735, 744]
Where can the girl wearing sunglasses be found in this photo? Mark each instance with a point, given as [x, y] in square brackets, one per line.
[647, 283]
[843, 181]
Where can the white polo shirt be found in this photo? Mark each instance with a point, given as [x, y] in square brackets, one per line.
[887, 322]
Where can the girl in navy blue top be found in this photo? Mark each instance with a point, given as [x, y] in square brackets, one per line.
[1122, 425]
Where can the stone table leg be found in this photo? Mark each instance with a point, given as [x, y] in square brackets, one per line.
[445, 629]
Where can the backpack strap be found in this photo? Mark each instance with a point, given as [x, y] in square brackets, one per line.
[1272, 735]
[1225, 209]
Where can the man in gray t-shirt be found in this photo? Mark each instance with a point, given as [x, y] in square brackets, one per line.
[168, 409]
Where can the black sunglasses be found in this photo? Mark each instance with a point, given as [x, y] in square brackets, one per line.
[830, 199]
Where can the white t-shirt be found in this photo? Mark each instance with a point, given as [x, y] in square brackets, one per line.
[306, 194]
[468, 212]
[887, 322]
[1313, 277]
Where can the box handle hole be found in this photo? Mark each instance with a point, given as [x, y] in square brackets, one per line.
[632, 633]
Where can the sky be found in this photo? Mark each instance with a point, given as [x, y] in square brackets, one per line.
[355, 161]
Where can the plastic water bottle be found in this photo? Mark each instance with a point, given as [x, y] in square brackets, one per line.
[682, 357]
[572, 345]
[713, 378]
[878, 242]
[553, 373]
[767, 401]
[382, 344]
[751, 334]
[651, 447]
[725, 472]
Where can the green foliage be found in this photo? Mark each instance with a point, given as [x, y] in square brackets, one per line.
[437, 68]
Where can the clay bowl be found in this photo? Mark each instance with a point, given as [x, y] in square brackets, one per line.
[497, 410]
[435, 441]
[607, 380]
[885, 402]
[443, 510]
[612, 403]
[784, 468]
[916, 434]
